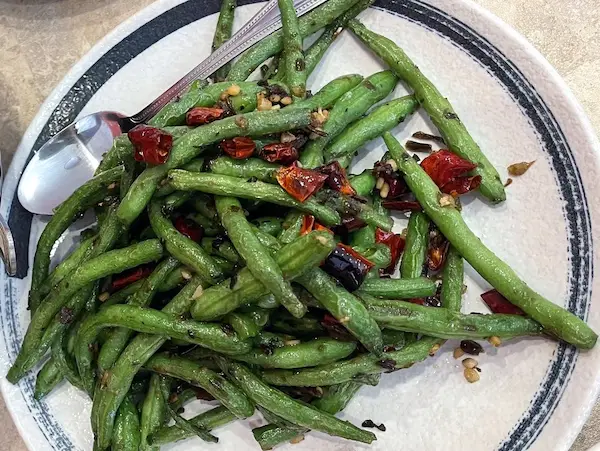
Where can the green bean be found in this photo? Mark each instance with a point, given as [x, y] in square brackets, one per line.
[245, 169]
[443, 323]
[555, 320]
[121, 296]
[394, 338]
[83, 198]
[194, 142]
[212, 419]
[181, 247]
[345, 307]
[291, 227]
[111, 262]
[363, 183]
[259, 261]
[117, 341]
[310, 353]
[347, 109]
[293, 259]
[452, 281]
[141, 348]
[347, 205]
[120, 152]
[223, 185]
[420, 287]
[437, 106]
[271, 435]
[273, 44]
[65, 362]
[151, 321]
[378, 121]
[175, 200]
[348, 370]
[174, 113]
[242, 324]
[308, 326]
[290, 409]
[415, 249]
[47, 379]
[329, 94]
[197, 165]
[379, 254]
[173, 280]
[153, 414]
[219, 387]
[67, 266]
[222, 248]
[127, 428]
[294, 64]
[223, 33]
[270, 225]
[210, 227]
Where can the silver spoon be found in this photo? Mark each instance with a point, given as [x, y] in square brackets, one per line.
[70, 158]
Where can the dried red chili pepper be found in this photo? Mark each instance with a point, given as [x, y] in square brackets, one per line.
[335, 329]
[396, 244]
[402, 205]
[448, 171]
[300, 183]
[499, 304]
[238, 148]
[392, 178]
[347, 266]
[338, 179]
[129, 277]
[321, 228]
[189, 228]
[284, 153]
[203, 115]
[151, 145]
[436, 250]
[308, 223]
[461, 185]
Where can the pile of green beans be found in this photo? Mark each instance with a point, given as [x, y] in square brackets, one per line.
[206, 277]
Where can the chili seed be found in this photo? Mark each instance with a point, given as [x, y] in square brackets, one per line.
[458, 353]
[471, 375]
[471, 347]
[380, 182]
[385, 190]
[469, 362]
[104, 296]
[186, 274]
[435, 348]
[495, 341]
[287, 100]
[234, 90]
[275, 98]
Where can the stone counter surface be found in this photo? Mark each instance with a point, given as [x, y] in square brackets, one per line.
[41, 39]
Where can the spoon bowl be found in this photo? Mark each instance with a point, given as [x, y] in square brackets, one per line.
[68, 160]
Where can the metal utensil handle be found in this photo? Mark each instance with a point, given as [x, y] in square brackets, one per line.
[265, 22]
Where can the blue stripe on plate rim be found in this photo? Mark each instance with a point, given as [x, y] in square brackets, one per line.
[562, 161]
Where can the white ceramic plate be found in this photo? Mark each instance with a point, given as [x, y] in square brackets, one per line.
[534, 393]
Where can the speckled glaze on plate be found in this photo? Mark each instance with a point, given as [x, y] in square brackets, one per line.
[533, 393]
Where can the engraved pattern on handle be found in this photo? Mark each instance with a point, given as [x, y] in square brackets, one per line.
[264, 23]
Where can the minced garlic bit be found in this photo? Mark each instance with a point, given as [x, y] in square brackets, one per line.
[458, 353]
[276, 107]
[234, 90]
[380, 182]
[287, 100]
[392, 163]
[518, 169]
[198, 292]
[495, 341]
[470, 362]
[471, 375]
[319, 117]
[113, 185]
[385, 191]
[291, 342]
[104, 296]
[263, 104]
[447, 200]
[287, 137]
[275, 98]
[186, 274]
[345, 319]
[435, 348]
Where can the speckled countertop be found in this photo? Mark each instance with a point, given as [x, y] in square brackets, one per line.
[41, 39]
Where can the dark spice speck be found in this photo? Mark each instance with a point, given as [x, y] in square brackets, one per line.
[471, 347]
[371, 424]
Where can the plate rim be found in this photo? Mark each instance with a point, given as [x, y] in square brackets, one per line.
[142, 17]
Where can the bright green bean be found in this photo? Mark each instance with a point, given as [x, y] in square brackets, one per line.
[223, 185]
[223, 33]
[348, 370]
[245, 169]
[348, 108]
[420, 287]
[415, 249]
[452, 281]
[153, 413]
[437, 106]
[345, 307]
[258, 260]
[47, 379]
[294, 64]
[127, 428]
[220, 388]
[556, 320]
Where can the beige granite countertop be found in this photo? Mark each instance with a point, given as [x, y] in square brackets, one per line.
[41, 39]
